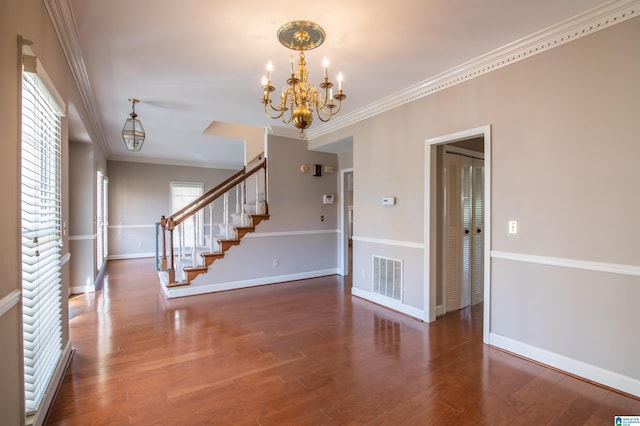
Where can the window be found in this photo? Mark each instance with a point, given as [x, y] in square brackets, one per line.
[182, 193]
[41, 234]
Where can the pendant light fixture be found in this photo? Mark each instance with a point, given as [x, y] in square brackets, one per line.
[133, 132]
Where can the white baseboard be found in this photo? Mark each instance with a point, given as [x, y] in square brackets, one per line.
[388, 303]
[192, 290]
[78, 289]
[572, 366]
[130, 256]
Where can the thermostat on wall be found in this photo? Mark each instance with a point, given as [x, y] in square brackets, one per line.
[328, 199]
[388, 201]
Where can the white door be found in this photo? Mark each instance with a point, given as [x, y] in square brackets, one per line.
[463, 219]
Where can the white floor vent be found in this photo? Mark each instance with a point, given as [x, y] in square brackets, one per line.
[387, 277]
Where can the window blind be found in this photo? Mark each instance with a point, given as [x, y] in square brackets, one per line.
[41, 236]
[99, 219]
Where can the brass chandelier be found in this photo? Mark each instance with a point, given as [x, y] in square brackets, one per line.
[300, 98]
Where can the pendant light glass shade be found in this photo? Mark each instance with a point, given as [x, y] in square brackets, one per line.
[133, 132]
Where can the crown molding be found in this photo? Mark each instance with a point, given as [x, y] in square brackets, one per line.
[589, 22]
[61, 16]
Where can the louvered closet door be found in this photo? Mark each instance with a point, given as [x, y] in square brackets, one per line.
[477, 234]
[464, 239]
[453, 221]
[466, 207]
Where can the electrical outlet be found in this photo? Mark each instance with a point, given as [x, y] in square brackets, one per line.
[513, 226]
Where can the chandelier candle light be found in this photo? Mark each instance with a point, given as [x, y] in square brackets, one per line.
[300, 97]
[133, 132]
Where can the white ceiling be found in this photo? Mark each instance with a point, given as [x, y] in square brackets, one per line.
[193, 62]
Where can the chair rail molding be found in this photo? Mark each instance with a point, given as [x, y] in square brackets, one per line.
[9, 301]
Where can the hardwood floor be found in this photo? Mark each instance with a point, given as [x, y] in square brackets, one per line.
[301, 353]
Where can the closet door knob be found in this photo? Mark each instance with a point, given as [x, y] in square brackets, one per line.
[478, 230]
[466, 232]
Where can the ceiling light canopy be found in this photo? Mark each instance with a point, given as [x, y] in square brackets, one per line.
[133, 132]
[299, 97]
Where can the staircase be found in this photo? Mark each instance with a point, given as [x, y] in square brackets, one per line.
[173, 269]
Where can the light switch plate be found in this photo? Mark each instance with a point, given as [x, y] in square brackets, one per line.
[513, 226]
[388, 201]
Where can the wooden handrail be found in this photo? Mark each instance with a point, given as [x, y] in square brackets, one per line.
[198, 200]
[211, 195]
[195, 206]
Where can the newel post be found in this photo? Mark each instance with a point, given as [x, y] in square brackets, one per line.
[172, 272]
[163, 225]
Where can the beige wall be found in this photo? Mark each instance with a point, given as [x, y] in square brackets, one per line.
[139, 194]
[565, 145]
[29, 19]
[82, 225]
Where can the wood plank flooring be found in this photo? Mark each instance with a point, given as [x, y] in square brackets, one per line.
[298, 353]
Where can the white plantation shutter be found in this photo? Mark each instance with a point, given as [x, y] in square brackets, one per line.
[100, 219]
[41, 235]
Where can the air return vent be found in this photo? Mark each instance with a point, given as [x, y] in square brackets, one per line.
[387, 277]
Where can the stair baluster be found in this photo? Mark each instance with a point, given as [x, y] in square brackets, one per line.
[233, 231]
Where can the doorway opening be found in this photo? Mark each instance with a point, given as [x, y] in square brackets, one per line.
[457, 223]
[346, 222]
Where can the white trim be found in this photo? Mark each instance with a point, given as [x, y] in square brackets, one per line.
[130, 226]
[56, 380]
[573, 366]
[80, 289]
[407, 244]
[82, 237]
[9, 301]
[430, 221]
[612, 268]
[290, 233]
[343, 248]
[192, 290]
[584, 24]
[61, 15]
[130, 256]
[32, 64]
[387, 302]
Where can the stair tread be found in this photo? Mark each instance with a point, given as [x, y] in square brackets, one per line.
[195, 268]
[225, 244]
[180, 284]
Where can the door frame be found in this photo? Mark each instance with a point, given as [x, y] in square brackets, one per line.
[343, 239]
[430, 222]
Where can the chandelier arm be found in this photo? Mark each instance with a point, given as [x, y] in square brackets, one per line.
[268, 114]
[332, 111]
